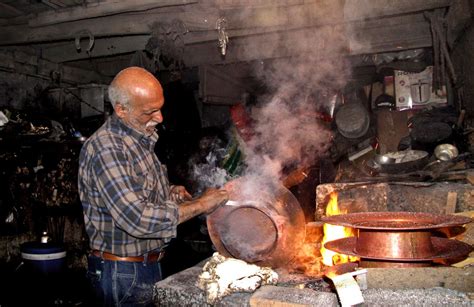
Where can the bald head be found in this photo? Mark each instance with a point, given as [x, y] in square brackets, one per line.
[130, 83]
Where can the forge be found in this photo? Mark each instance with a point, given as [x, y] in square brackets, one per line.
[399, 233]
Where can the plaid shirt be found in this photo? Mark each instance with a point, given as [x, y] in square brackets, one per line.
[124, 191]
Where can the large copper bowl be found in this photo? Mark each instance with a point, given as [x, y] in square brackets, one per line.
[266, 228]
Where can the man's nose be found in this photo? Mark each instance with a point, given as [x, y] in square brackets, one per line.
[158, 117]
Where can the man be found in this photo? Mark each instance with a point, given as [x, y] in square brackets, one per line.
[130, 209]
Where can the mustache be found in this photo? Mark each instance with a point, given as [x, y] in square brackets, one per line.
[151, 123]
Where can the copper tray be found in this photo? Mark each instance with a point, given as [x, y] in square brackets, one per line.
[443, 249]
[396, 220]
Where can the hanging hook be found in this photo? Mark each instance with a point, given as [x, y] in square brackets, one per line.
[223, 38]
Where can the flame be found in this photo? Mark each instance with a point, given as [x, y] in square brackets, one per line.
[308, 260]
[334, 232]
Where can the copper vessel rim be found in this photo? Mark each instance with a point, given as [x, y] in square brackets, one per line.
[444, 249]
[385, 220]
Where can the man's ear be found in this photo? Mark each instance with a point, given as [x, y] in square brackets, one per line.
[120, 110]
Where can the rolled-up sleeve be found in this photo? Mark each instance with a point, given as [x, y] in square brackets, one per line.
[134, 209]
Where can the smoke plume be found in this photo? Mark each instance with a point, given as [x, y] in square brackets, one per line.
[287, 130]
[307, 66]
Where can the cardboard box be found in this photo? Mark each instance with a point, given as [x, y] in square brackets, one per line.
[415, 90]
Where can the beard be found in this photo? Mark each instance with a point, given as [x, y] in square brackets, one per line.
[150, 127]
[147, 129]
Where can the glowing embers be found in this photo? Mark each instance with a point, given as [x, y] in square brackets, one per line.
[335, 232]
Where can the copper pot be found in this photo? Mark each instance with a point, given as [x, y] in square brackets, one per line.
[267, 228]
[398, 239]
[394, 244]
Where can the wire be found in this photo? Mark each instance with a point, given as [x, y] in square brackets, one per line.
[83, 101]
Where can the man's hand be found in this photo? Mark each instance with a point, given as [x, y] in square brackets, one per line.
[214, 198]
[206, 203]
[179, 194]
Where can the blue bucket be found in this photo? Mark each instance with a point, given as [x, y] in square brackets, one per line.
[43, 258]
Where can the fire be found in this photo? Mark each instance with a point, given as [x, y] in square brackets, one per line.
[334, 232]
[308, 260]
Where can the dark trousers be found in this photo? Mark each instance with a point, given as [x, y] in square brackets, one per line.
[120, 283]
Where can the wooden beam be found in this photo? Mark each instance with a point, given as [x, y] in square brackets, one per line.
[369, 9]
[64, 52]
[58, 3]
[374, 36]
[389, 34]
[26, 64]
[201, 18]
[130, 24]
[9, 10]
[50, 4]
[100, 9]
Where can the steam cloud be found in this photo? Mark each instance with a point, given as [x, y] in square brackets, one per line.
[287, 131]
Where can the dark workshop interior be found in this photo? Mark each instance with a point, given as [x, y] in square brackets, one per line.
[342, 129]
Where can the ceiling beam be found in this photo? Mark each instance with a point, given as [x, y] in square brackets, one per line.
[26, 64]
[100, 9]
[64, 52]
[374, 36]
[199, 18]
[399, 33]
[9, 10]
[50, 4]
[389, 34]
[369, 9]
[58, 3]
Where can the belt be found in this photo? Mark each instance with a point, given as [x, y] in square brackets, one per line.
[151, 256]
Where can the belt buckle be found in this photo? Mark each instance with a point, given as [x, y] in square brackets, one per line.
[155, 256]
[161, 255]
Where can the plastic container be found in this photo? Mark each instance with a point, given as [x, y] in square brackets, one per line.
[43, 258]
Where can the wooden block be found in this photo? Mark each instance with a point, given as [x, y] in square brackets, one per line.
[391, 128]
[466, 236]
[451, 202]
[470, 177]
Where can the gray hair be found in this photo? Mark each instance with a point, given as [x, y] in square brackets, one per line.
[118, 95]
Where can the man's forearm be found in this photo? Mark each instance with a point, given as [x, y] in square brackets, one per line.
[190, 209]
[210, 200]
